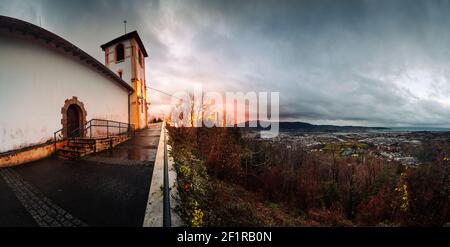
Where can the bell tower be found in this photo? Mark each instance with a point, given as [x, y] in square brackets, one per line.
[125, 56]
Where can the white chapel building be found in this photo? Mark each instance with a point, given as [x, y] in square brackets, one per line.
[50, 87]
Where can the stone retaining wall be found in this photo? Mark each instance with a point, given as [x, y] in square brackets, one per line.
[106, 143]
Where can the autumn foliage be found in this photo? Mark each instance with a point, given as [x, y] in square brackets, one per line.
[259, 183]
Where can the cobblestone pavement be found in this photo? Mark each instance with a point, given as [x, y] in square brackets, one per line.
[43, 210]
[106, 189]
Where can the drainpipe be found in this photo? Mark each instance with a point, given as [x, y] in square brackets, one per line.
[129, 111]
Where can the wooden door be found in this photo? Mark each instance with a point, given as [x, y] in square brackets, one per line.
[73, 121]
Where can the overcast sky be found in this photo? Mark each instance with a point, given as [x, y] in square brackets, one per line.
[376, 63]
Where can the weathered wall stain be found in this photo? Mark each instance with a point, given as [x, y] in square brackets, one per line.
[27, 155]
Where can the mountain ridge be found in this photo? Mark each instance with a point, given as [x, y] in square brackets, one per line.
[308, 127]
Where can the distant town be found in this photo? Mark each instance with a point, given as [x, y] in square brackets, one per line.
[397, 144]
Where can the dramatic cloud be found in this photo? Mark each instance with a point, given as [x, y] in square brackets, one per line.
[343, 62]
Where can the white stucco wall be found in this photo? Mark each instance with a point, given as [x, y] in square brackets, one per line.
[34, 83]
[125, 65]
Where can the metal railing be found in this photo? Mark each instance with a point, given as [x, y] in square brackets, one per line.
[167, 219]
[107, 128]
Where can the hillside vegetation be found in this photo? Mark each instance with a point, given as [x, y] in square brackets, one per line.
[226, 180]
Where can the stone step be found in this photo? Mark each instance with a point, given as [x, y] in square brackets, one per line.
[79, 148]
[80, 145]
[62, 157]
[81, 141]
[68, 153]
[108, 138]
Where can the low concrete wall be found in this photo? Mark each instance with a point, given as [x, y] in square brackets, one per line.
[155, 204]
[29, 154]
[42, 151]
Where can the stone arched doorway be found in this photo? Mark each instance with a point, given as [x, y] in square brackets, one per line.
[73, 118]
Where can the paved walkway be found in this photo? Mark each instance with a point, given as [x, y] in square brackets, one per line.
[107, 189]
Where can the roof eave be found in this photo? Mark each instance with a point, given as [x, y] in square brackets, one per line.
[129, 35]
[51, 39]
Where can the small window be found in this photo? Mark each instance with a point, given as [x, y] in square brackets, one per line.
[120, 53]
[120, 74]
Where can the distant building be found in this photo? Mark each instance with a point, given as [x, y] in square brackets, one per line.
[48, 84]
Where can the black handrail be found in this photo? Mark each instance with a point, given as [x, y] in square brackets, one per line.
[167, 219]
[59, 134]
[54, 137]
[88, 126]
[82, 131]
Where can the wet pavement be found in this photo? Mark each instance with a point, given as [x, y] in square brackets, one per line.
[107, 189]
[136, 151]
